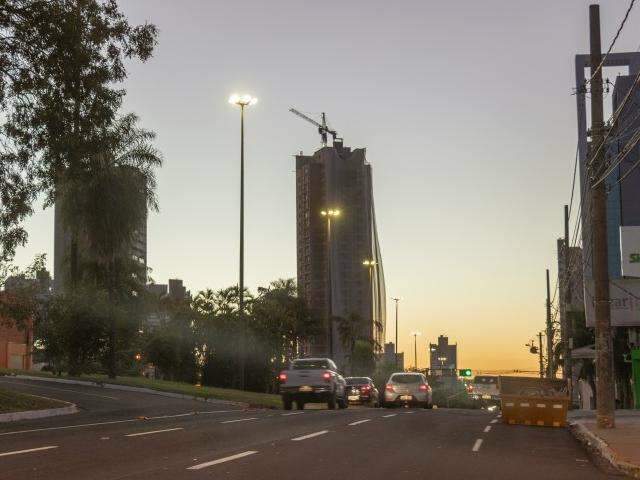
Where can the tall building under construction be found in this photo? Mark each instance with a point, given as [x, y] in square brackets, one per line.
[340, 271]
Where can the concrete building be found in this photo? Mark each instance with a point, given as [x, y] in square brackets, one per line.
[174, 290]
[339, 177]
[389, 356]
[62, 244]
[443, 358]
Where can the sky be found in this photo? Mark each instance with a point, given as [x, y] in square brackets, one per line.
[466, 112]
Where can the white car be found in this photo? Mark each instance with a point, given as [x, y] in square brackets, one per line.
[408, 389]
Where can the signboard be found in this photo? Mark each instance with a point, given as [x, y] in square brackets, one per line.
[630, 251]
[625, 302]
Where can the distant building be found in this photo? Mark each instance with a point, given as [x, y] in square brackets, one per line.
[174, 290]
[16, 345]
[443, 357]
[389, 356]
[62, 246]
[338, 177]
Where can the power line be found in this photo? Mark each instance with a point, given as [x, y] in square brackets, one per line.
[613, 42]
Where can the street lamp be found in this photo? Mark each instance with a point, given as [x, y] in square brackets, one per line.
[395, 299]
[242, 101]
[329, 214]
[415, 348]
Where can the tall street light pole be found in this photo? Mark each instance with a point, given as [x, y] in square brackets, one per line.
[395, 299]
[415, 348]
[329, 214]
[242, 101]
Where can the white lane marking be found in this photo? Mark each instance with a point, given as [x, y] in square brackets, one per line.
[240, 420]
[410, 411]
[61, 390]
[113, 422]
[359, 422]
[390, 415]
[139, 434]
[291, 413]
[222, 460]
[476, 446]
[17, 452]
[311, 435]
[499, 415]
[487, 429]
[495, 420]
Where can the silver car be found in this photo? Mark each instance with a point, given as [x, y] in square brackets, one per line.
[408, 389]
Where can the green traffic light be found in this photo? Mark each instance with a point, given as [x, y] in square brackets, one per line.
[465, 372]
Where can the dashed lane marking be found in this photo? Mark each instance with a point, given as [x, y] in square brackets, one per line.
[495, 420]
[311, 435]
[477, 445]
[487, 429]
[359, 422]
[291, 413]
[390, 415]
[140, 434]
[222, 460]
[18, 452]
[240, 420]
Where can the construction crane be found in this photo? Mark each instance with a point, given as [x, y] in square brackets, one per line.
[323, 129]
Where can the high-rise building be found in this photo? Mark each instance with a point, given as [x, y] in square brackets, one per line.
[331, 249]
[62, 246]
[443, 357]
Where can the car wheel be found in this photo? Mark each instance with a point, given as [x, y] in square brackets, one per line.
[331, 402]
[428, 405]
[342, 403]
[300, 405]
[287, 402]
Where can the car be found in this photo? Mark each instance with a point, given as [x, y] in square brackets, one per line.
[408, 389]
[313, 380]
[484, 389]
[362, 390]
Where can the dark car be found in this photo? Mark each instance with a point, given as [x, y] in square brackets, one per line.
[362, 390]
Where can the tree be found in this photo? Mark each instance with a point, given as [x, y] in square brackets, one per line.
[60, 65]
[349, 329]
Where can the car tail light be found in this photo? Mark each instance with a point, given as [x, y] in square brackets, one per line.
[326, 376]
[389, 387]
[423, 387]
[282, 377]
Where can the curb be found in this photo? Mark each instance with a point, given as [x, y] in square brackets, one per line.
[599, 446]
[128, 388]
[33, 414]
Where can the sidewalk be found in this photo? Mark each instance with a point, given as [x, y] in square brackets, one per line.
[620, 446]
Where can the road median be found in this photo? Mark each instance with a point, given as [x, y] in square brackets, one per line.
[161, 387]
[16, 406]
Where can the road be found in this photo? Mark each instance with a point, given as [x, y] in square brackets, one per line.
[126, 435]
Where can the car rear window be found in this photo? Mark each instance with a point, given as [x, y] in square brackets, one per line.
[406, 378]
[310, 365]
[486, 380]
[357, 380]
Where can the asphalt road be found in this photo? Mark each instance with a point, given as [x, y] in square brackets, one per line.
[125, 435]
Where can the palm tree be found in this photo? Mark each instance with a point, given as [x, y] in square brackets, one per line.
[349, 331]
[104, 204]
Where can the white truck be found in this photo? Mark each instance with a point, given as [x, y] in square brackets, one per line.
[313, 380]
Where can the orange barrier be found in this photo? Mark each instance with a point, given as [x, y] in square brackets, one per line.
[534, 401]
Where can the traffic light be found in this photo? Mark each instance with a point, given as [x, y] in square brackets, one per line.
[465, 372]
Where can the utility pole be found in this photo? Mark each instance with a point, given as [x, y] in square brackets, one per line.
[541, 357]
[395, 299]
[550, 369]
[567, 324]
[604, 365]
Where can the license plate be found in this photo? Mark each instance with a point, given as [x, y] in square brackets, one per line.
[306, 389]
[354, 398]
[405, 397]
[486, 397]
